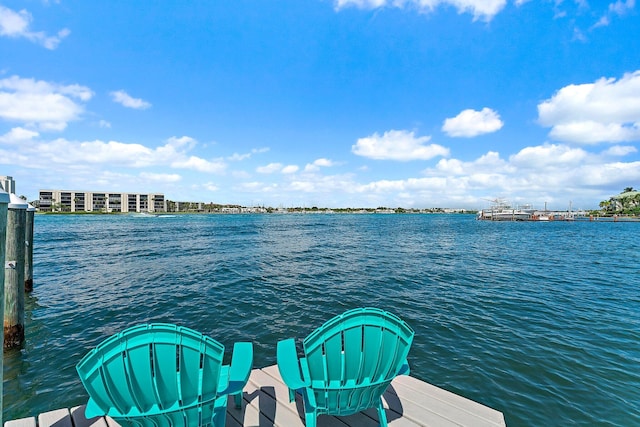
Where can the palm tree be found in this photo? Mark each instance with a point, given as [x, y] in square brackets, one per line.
[627, 190]
[636, 203]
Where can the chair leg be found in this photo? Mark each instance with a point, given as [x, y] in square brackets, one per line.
[310, 418]
[382, 415]
[292, 395]
[238, 400]
[220, 417]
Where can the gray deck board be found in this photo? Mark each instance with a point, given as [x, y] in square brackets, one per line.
[409, 403]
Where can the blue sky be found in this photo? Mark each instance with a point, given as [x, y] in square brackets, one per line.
[332, 103]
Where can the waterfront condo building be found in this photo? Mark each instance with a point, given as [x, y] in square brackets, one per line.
[89, 201]
[7, 184]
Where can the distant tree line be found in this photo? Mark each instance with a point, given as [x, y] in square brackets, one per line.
[173, 206]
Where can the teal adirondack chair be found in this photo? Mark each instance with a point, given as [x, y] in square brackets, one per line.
[348, 363]
[163, 375]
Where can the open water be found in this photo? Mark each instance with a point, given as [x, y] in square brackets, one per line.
[538, 320]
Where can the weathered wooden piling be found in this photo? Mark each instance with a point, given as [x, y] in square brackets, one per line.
[14, 273]
[4, 203]
[28, 249]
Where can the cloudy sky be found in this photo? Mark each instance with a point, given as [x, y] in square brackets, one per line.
[332, 103]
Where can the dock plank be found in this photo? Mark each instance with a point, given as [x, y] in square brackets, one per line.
[409, 402]
[362, 419]
[457, 408]
[21, 422]
[270, 376]
[57, 418]
[79, 420]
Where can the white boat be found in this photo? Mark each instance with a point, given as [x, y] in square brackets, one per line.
[145, 215]
[500, 210]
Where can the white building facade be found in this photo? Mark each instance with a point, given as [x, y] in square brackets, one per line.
[107, 202]
[8, 184]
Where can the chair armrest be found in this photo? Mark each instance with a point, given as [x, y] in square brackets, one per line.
[240, 369]
[404, 369]
[289, 365]
[93, 410]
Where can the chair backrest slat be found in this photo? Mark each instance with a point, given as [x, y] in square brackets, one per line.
[114, 375]
[139, 372]
[164, 363]
[353, 347]
[211, 368]
[372, 350]
[334, 357]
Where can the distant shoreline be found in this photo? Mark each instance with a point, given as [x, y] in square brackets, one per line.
[280, 211]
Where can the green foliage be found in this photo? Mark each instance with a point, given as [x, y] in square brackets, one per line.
[629, 204]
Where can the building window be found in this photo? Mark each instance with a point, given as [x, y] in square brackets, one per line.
[46, 200]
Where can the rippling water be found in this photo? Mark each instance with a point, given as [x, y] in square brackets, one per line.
[538, 320]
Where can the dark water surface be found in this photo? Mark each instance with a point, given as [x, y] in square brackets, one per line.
[538, 320]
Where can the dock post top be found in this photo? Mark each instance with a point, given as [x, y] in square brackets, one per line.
[17, 203]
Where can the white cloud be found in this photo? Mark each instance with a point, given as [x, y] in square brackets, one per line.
[605, 111]
[270, 168]
[326, 163]
[621, 7]
[160, 177]
[47, 106]
[617, 174]
[123, 98]
[18, 135]
[362, 4]
[620, 150]
[240, 174]
[480, 9]
[97, 152]
[200, 165]
[321, 184]
[431, 184]
[617, 9]
[16, 24]
[591, 132]
[602, 22]
[63, 154]
[490, 162]
[317, 164]
[555, 173]
[238, 157]
[289, 169]
[578, 35]
[398, 145]
[470, 123]
[548, 155]
[181, 142]
[254, 187]
[210, 186]
[104, 124]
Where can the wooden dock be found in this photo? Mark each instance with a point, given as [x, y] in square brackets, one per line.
[409, 402]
